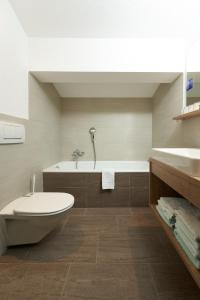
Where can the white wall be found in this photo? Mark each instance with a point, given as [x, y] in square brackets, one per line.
[13, 64]
[120, 55]
[193, 57]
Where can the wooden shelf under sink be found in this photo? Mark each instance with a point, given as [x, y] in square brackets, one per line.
[191, 268]
[166, 181]
[188, 115]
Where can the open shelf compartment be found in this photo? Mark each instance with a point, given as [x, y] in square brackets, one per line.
[159, 188]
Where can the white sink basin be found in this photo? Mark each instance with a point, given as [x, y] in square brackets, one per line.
[184, 159]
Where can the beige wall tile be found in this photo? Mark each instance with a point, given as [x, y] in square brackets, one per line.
[124, 128]
[167, 103]
[41, 148]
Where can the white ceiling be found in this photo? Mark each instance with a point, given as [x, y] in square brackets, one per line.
[109, 18]
[106, 84]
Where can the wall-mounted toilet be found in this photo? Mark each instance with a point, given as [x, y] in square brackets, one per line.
[29, 219]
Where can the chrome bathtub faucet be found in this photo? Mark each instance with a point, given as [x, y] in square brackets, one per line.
[76, 155]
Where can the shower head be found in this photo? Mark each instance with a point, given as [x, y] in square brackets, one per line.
[92, 130]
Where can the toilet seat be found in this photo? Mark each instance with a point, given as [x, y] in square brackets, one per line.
[39, 204]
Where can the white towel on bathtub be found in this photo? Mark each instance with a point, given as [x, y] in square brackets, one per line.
[108, 179]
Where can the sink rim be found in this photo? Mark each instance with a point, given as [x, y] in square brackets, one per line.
[172, 151]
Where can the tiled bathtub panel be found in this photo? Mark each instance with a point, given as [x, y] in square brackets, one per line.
[79, 193]
[121, 179]
[139, 197]
[139, 179]
[131, 189]
[120, 197]
[65, 179]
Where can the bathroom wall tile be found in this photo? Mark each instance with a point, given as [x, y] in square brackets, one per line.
[167, 103]
[41, 147]
[114, 141]
[79, 193]
[122, 179]
[94, 180]
[86, 187]
[95, 197]
[139, 197]
[139, 180]
[63, 180]
[119, 197]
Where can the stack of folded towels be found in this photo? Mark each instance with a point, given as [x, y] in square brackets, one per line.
[187, 232]
[167, 207]
[184, 219]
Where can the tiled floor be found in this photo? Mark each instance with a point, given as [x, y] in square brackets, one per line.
[98, 254]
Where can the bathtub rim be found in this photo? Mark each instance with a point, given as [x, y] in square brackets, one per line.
[55, 169]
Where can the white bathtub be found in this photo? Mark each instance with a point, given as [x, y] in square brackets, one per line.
[87, 166]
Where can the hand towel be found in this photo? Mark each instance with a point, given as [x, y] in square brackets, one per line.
[108, 179]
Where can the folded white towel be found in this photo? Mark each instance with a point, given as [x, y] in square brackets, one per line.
[171, 203]
[192, 246]
[108, 179]
[183, 228]
[191, 219]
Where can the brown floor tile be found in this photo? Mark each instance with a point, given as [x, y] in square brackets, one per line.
[90, 223]
[138, 219]
[44, 279]
[102, 271]
[17, 254]
[78, 211]
[92, 289]
[104, 253]
[139, 289]
[117, 211]
[173, 297]
[11, 278]
[66, 247]
[121, 249]
[173, 280]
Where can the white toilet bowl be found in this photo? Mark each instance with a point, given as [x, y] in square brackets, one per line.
[29, 219]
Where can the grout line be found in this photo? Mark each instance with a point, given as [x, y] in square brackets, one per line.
[66, 279]
[153, 280]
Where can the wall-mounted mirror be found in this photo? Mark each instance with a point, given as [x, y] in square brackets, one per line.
[192, 102]
[193, 88]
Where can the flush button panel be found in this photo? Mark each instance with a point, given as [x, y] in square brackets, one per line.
[11, 133]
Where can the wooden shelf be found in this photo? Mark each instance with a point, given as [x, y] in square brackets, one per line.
[166, 181]
[188, 115]
[191, 268]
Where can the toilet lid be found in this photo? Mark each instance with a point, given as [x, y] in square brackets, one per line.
[44, 203]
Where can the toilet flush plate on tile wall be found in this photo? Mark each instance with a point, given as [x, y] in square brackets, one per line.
[12, 133]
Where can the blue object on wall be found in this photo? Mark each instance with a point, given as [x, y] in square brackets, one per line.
[189, 85]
